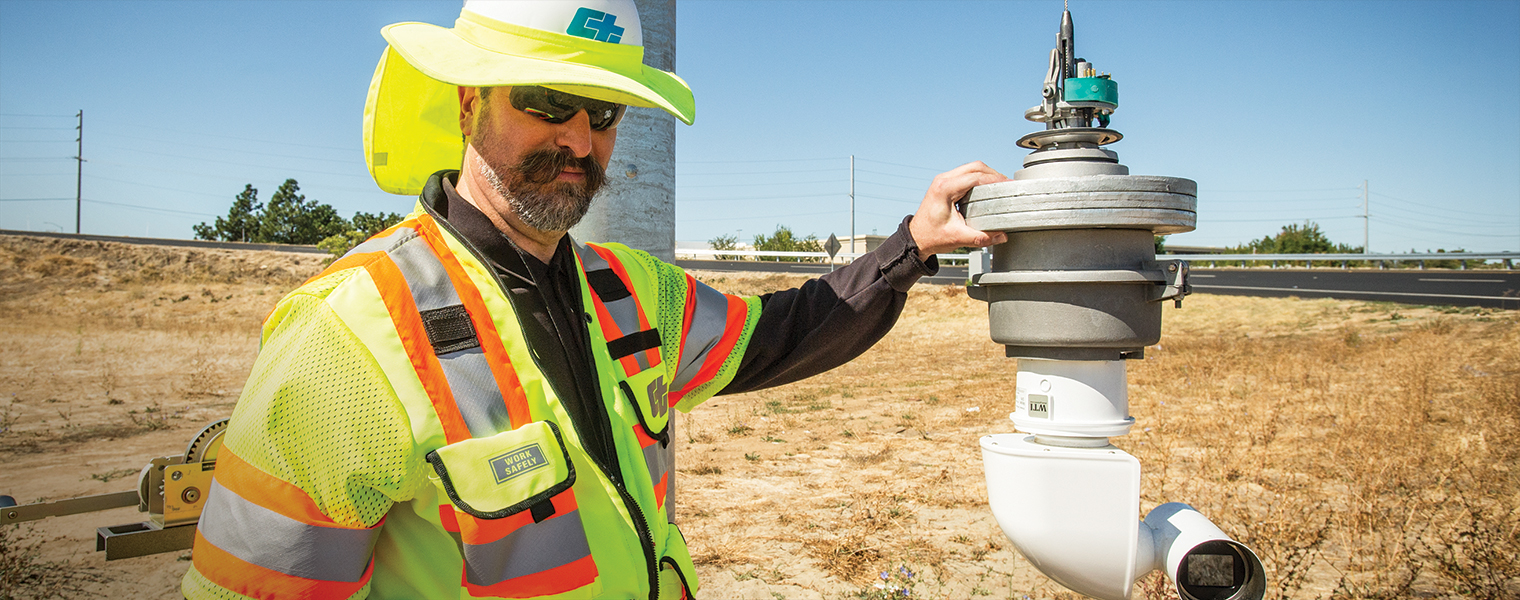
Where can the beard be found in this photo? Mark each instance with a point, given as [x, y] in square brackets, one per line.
[534, 194]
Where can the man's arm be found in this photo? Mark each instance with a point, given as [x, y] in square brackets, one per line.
[317, 451]
[830, 320]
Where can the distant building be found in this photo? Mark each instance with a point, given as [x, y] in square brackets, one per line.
[861, 243]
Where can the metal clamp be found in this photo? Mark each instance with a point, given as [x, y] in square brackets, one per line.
[1176, 285]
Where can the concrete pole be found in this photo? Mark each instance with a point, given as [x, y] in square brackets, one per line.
[637, 207]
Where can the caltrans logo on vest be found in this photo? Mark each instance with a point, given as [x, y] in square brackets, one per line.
[517, 462]
[659, 404]
[595, 25]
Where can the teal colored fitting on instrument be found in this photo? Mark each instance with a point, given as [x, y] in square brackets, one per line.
[1092, 89]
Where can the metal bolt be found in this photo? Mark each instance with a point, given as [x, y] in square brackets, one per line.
[191, 495]
[1171, 268]
[177, 475]
[10, 515]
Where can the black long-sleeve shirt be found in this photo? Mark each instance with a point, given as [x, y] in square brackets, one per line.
[801, 332]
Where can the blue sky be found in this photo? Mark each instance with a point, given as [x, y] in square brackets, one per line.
[1279, 110]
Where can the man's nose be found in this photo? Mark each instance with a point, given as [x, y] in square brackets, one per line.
[575, 134]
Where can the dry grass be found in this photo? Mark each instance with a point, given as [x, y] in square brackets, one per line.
[1364, 450]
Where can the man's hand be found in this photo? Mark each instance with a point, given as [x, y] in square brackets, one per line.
[937, 227]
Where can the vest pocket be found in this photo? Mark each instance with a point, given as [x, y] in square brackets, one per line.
[677, 565]
[512, 504]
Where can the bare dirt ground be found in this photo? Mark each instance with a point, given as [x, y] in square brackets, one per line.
[1365, 450]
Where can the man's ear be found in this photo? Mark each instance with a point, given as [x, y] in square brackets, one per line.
[469, 104]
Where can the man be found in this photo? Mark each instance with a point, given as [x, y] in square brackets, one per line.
[472, 404]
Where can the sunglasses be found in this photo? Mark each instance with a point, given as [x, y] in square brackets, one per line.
[555, 106]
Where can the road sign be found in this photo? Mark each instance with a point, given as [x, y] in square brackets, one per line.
[832, 246]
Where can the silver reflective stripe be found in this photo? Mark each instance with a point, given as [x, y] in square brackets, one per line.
[425, 276]
[590, 260]
[625, 311]
[536, 547]
[670, 482]
[384, 244]
[276, 542]
[654, 459]
[708, 321]
[469, 374]
[475, 392]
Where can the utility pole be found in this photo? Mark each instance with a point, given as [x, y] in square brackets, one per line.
[79, 173]
[852, 203]
[1366, 213]
[638, 204]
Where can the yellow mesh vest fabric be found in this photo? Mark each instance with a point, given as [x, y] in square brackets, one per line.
[196, 586]
[672, 284]
[317, 412]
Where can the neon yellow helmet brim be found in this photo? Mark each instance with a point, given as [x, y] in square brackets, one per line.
[411, 115]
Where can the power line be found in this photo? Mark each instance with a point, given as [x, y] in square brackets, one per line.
[35, 159]
[38, 128]
[902, 165]
[756, 198]
[766, 172]
[242, 139]
[148, 208]
[743, 185]
[183, 173]
[1294, 221]
[913, 177]
[1426, 227]
[160, 187]
[41, 116]
[33, 199]
[1203, 190]
[234, 163]
[338, 160]
[736, 162]
[1423, 205]
[834, 212]
[1446, 220]
[890, 199]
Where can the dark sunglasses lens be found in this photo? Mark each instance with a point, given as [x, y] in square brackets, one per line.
[555, 106]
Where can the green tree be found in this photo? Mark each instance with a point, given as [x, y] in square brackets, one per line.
[362, 227]
[290, 218]
[783, 240]
[1296, 239]
[724, 242]
[242, 222]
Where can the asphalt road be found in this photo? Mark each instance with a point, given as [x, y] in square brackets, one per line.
[1486, 288]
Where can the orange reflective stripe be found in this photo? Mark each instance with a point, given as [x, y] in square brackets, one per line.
[235, 575]
[543, 583]
[398, 301]
[610, 331]
[490, 341]
[446, 516]
[653, 354]
[732, 330]
[484, 531]
[267, 491]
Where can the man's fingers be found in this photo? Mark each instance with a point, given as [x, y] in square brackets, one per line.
[955, 186]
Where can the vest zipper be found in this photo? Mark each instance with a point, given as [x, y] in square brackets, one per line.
[646, 538]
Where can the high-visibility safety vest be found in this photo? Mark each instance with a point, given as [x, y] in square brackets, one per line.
[397, 440]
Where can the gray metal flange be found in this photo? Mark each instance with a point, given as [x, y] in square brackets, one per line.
[1162, 205]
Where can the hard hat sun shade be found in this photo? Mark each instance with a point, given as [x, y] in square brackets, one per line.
[411, 114]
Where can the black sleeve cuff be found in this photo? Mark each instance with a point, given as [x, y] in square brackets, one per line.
[898, 257]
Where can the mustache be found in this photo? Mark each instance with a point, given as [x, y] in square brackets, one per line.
[542, 166]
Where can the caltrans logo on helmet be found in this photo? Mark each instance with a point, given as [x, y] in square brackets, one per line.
[595, 25]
